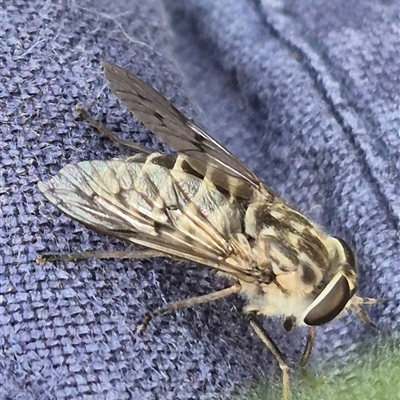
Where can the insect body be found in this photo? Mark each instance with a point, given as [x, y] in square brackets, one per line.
[202, 204]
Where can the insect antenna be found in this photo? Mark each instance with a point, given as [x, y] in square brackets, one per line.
[356, 308]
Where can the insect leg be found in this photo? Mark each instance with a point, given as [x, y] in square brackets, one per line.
[273, 348]
[187, 303]
[41, 259]
[309, 346]
[106, 132]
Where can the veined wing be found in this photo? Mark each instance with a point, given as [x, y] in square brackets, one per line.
[203, 153]
[145, 203]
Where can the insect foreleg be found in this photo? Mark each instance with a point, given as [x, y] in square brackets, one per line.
[273, 348]
[41, 259]
[309, 346]
[186, 303]
[106, 132]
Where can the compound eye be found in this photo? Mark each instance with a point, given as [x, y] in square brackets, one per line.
[330, 302]
[347, 252]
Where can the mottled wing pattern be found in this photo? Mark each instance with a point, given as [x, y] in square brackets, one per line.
[203, 153]
[151, 201]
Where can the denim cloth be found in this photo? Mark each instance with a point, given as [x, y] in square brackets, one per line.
[306, 93]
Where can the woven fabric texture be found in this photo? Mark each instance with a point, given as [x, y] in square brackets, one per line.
[306, 93]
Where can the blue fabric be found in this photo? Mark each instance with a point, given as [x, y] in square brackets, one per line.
[305, 92]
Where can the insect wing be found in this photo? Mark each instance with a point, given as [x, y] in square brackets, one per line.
[115, 198]
[205, 155]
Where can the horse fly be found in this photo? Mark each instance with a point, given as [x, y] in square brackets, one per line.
[202, 204]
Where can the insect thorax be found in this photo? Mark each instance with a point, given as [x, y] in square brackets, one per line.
[300, 260]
